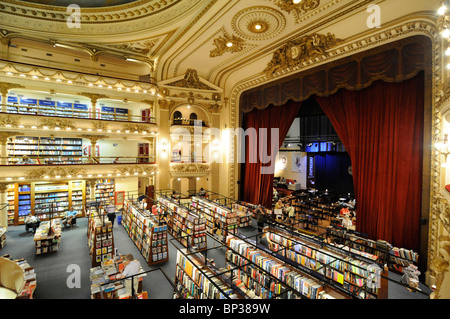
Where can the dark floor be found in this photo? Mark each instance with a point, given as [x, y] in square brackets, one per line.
[55, 272]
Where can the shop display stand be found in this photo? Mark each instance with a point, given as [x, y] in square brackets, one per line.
[196, 278]
[147, 233]
[270, 277]
[100, 238]
[48, 236]
[243, 213]
[396, 258]
[184, 224]
[324, 261]
[220, 220]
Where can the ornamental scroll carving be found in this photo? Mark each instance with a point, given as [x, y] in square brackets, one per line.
[191, 80]
[295, 52]
[299, 8]
[189, 169]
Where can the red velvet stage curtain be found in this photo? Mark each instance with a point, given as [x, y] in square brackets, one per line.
[257, 187]
[381, 128]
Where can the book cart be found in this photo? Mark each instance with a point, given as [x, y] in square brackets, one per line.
[220, 219]
[148, 232]
[100, 238]
[183, 223]
[351, 273]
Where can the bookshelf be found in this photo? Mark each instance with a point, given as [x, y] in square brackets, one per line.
[48, 150]
[48, 237]
[243, 213]
[220, 220]
[100, 238]
[104, 191]
[195, 279]
[184, 225]
[268, 277]
[341, 268]
[106, 283]
[38, 197]
[396, 258]
[147, 233]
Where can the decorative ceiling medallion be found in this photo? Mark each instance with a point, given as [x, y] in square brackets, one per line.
[227, 43]
[302, 7]
[258, 23]
[295, 52]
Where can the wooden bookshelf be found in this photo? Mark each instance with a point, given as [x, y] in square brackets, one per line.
[243, 213]
[147, 233]
[46, 150]
[220, 220]
[344, 269]
[195, 279]
[37, 197]
[104, 191]
[186, 226]
[100, 238]
[269, 277]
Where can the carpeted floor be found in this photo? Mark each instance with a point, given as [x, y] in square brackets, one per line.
[53, 270]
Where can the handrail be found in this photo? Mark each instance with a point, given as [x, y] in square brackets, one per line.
[56, 111]
[75, 160]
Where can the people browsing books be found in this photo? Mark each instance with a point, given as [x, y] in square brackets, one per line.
[260, 218]
[111, 212]
[132, 268]
[70, 215]
[32, 221]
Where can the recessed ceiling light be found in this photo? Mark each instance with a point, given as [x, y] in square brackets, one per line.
[229, 44]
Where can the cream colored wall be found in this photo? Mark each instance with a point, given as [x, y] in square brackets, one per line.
[300, 177]
[129, 184]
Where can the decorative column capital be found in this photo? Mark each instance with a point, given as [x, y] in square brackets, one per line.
[3, 187]
[94, 97]
[5, 135]
[93, 138]
[6, 86]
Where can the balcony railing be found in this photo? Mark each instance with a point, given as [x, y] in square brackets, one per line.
[188, 159]
[77, 160]
[189, 122]
[56, 111]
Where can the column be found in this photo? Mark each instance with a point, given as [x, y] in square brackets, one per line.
[94, 98]
[93, 139]
[3, 200]
[163, 157]
[4, 90]
[4, 146]
[91, 184]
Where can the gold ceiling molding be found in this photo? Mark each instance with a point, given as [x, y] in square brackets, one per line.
[191, 80]
[30, 71]
[296, 52]
[56, 123]
[297, 9]
[53, 172]
[258, 23]
[130, 11]
[138, 47]
[9, 120]
[189, 169]
[132, 170]
[226, 43]
[137, 127]
[5, 135]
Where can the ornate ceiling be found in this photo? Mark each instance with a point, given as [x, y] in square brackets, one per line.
[81, 3]
[226, 41]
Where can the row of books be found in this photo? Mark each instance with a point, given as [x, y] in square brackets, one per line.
[286, 276]
[204, 284]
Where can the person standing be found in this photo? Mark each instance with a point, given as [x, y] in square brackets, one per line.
[132, 268]
[260, 218]
[111, 212]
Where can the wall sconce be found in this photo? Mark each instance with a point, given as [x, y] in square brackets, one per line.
[164, 147]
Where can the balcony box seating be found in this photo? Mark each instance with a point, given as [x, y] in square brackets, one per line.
[11, 279]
